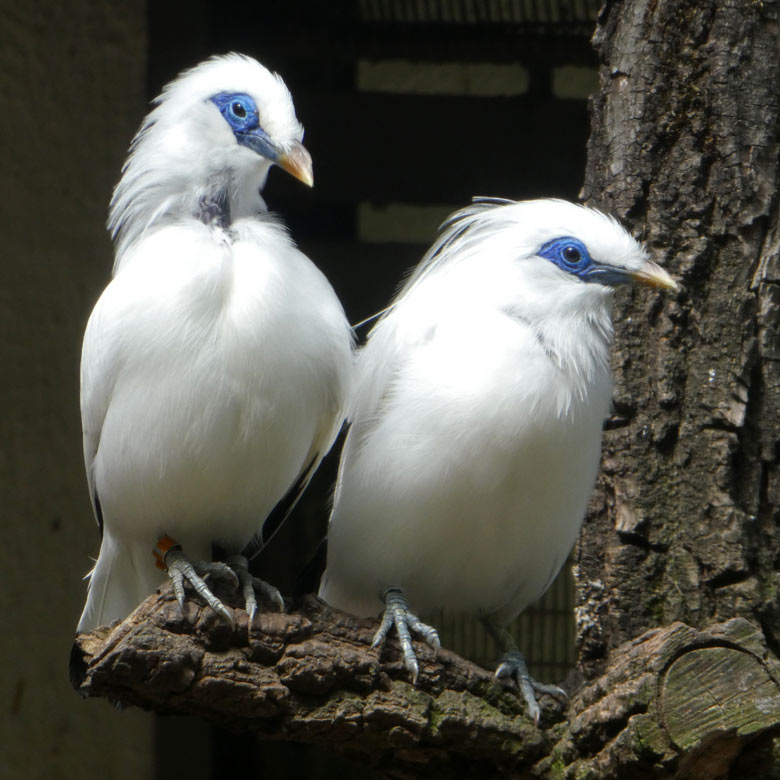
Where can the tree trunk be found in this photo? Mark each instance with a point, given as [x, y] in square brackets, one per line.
[684, 146]
[676, 570]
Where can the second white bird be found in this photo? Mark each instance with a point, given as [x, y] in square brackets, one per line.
[476, 420]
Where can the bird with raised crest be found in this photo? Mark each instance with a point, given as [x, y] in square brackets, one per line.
[217, 362]
[475, 423]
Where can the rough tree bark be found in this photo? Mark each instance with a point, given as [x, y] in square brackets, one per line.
[677, 567]
[684, 146]
[673, 700]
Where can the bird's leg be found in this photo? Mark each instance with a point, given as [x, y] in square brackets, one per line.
[397, 614]
[250, 586]
[512, 671]
[172, 559]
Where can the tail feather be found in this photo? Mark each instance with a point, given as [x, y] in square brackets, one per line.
[348, 600]
[122, 578]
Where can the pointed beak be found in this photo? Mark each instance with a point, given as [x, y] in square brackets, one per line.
[652, 275]
[297, 162]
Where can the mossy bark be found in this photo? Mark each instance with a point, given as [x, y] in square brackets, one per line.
[674, 700]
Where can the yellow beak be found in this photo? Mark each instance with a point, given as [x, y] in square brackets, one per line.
[297, 162]
[652, 275]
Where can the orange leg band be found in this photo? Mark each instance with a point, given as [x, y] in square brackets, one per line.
[161, 549]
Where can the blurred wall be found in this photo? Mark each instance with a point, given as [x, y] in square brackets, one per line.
[72, 77]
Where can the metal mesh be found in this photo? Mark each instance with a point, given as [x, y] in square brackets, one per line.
[544, 632]
[555, 13]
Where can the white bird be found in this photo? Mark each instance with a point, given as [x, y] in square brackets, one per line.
[217, 362]
[476, 421]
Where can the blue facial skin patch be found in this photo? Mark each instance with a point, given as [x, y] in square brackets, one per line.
[572, 256]
[240, 112]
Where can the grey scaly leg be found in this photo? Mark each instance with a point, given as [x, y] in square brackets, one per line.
[397, 614]
[180, 568]
[513, 673]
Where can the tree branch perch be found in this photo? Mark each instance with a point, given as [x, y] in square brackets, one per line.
[681, 701]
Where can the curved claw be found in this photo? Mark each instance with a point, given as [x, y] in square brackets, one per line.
[180, 568]
[397, 614]
[251, 586]
[513, 673]
[216, 570]
[270, 593]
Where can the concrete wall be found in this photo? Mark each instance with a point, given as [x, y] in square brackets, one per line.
[71, 94]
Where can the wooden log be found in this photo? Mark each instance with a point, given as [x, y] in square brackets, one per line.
[674, 702]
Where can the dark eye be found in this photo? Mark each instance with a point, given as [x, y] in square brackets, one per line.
[571, 254]
[238, 109]
[568, 253]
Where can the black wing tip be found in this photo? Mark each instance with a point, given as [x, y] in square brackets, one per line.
[308, 581]
[280, 512]
[98, 513]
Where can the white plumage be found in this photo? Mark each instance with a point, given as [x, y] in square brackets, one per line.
[477, 414]
[216, 364]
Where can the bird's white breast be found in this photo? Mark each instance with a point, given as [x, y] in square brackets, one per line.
[205, 382]
[467, 482]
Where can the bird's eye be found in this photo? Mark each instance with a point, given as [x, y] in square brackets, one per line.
[568, 253]
[571, 254]
[238, 109]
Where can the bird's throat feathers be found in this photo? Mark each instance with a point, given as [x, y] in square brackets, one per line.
[214, 208]
[145, 199]
[578, 343]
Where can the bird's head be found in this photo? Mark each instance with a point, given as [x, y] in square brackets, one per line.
[549, 263]
[593, 248]
[209, 143]
[542, 253]
[279, 145]
[228, 114]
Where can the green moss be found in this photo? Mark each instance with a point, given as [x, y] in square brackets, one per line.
[435, 717]
[557, 769]
[583, 772]
[452, 711]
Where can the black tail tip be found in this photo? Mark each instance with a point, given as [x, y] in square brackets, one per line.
[77, 668]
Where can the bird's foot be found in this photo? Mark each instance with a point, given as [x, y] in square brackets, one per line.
[397, 614]
[513, 673]
[170, 557]
[251, 586]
